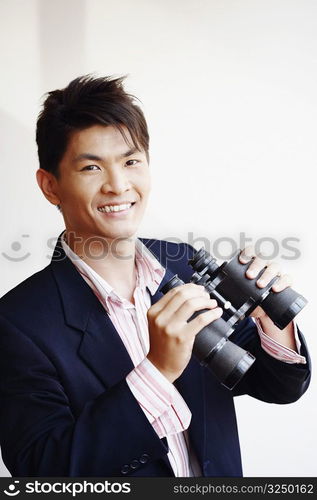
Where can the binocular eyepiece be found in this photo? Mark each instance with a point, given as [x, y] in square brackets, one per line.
[238, 296]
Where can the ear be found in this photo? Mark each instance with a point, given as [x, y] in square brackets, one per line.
[48, 185]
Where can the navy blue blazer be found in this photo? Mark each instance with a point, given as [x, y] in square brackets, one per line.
[65, 406]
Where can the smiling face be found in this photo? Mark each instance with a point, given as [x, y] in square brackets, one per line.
[99, 168]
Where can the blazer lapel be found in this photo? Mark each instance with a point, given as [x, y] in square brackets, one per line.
[191, 386]
[101, 347]
[103, 350]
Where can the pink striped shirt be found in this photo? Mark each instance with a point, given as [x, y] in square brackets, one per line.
[162, 404]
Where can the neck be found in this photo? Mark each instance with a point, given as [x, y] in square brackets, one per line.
[113, 260]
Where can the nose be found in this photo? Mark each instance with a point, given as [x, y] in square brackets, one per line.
[115, 181]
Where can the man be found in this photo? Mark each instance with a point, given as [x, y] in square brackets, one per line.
[97, 373]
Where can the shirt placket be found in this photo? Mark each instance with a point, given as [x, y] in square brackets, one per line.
[138, 319]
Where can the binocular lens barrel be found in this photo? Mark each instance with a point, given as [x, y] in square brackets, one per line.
[281, 307]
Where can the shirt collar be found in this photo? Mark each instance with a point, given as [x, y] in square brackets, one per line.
[150, 272]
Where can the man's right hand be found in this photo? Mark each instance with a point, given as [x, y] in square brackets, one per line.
[171, 337]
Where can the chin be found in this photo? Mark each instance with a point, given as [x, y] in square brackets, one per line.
[118, 235]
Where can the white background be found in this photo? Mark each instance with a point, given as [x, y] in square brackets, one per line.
[229, 92]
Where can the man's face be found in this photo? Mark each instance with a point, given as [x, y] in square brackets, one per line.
[99, 168]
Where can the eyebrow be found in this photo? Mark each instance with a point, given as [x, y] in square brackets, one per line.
[90, 156]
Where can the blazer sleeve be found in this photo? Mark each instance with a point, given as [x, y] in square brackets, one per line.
[269, 379]
[39, 434]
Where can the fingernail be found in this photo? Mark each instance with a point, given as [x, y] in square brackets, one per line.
[251, 273]
[244, 259]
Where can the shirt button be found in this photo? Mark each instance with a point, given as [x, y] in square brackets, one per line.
[134, 464]
[144, 458]
[125, 469]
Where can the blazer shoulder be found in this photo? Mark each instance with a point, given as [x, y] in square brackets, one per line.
[172, 255]
[33, 290]
[164, 249]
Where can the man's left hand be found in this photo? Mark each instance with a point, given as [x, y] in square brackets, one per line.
[271, 270]
[284, 337]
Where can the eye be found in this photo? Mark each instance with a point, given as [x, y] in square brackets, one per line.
[130, 163]
[90, 167]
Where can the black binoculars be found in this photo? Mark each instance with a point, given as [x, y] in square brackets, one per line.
[238, 296]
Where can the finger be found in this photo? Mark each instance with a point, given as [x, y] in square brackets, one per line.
[203, 319]
[247, 254]
[283, 282]
[270, 272]
[181, 310]
[185, 311]
[176, 296]
[258, 312]
[256, 266]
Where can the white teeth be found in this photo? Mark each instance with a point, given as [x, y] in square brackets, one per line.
[114, 208]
